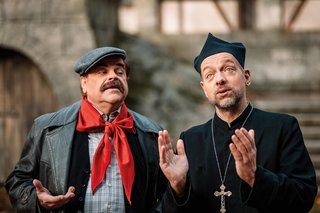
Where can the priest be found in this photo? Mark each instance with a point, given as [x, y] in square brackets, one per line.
[243, 159]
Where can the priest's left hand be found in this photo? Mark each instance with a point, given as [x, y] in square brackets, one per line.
[244, 152]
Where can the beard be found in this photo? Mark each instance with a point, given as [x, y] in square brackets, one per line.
[230, 103]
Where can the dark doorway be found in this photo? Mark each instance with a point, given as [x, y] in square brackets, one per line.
[24, 94]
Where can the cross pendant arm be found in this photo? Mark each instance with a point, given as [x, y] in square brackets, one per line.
[222, 193]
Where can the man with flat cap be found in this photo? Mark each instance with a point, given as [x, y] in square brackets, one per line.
[95, 155]
[243, 160]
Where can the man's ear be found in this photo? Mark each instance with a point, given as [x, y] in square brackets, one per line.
[201, 84]
[247, 76]
[83, 84]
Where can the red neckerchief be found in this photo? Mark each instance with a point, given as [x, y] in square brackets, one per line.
[90, 120]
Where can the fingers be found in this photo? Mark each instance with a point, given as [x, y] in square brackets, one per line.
[38, 185]
[51, 202]
[164, 146]
[234, 151]
[166, 152]
[243, 145]
[244, 152]
[160, 141]
[62, 199]
[162, 154]
[70, 193]
[180, 147]
[244, 140]
[251, 133]
[163, 139]
[167, 138]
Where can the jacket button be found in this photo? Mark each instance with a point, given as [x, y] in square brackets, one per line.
[24, 196]
[80, 199]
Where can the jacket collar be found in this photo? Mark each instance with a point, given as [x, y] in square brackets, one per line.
[69, 114]
[65, 115]
[145, 124]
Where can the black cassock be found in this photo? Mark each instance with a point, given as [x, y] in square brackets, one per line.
[284, 181]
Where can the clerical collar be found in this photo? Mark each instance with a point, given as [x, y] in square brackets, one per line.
[235, 123]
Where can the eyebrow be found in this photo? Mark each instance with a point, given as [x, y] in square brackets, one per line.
[225, 62]
[229, 61]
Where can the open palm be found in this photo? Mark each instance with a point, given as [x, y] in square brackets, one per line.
[174, 166]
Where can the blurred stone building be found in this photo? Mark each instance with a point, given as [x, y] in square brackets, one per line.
[40, 40]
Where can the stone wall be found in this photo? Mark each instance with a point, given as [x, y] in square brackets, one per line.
[163, 85]
[288, 61]
[53, 34]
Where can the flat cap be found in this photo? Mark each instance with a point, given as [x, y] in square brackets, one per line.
[214, 45]
[86, 62]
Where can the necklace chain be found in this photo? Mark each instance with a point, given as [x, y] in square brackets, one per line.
[215, 150]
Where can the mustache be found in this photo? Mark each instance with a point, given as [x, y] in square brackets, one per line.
[112, 84]
[224, 87]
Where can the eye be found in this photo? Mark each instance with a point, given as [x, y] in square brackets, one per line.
[101, 71]
[120, 71]
[209, 76]
[229, 69]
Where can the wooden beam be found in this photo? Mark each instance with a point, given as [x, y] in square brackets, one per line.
[295, 14]
[246, 14]
[222, 13]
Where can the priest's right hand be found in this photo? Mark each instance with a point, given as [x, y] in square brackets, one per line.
[49, 201]
[174, 166]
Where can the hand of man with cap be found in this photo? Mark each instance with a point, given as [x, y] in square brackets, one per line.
[47, 200]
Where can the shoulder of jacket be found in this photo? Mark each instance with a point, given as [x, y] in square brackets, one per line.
[277, 116]
[61, 117]
[144, 123]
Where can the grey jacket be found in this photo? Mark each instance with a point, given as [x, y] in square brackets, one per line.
[47, 150]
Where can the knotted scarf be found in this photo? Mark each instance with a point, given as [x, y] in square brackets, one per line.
[90, 120]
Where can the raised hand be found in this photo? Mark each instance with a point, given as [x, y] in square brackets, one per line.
[48, 201]
[174, 166]
[244, 152]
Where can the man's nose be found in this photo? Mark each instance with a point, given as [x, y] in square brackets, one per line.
[220, 78]
[112, 74]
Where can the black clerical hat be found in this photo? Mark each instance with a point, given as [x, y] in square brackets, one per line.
[214, 45]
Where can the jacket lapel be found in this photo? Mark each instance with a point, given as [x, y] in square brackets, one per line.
[60, 147]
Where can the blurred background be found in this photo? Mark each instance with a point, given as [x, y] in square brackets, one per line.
[40, 40]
